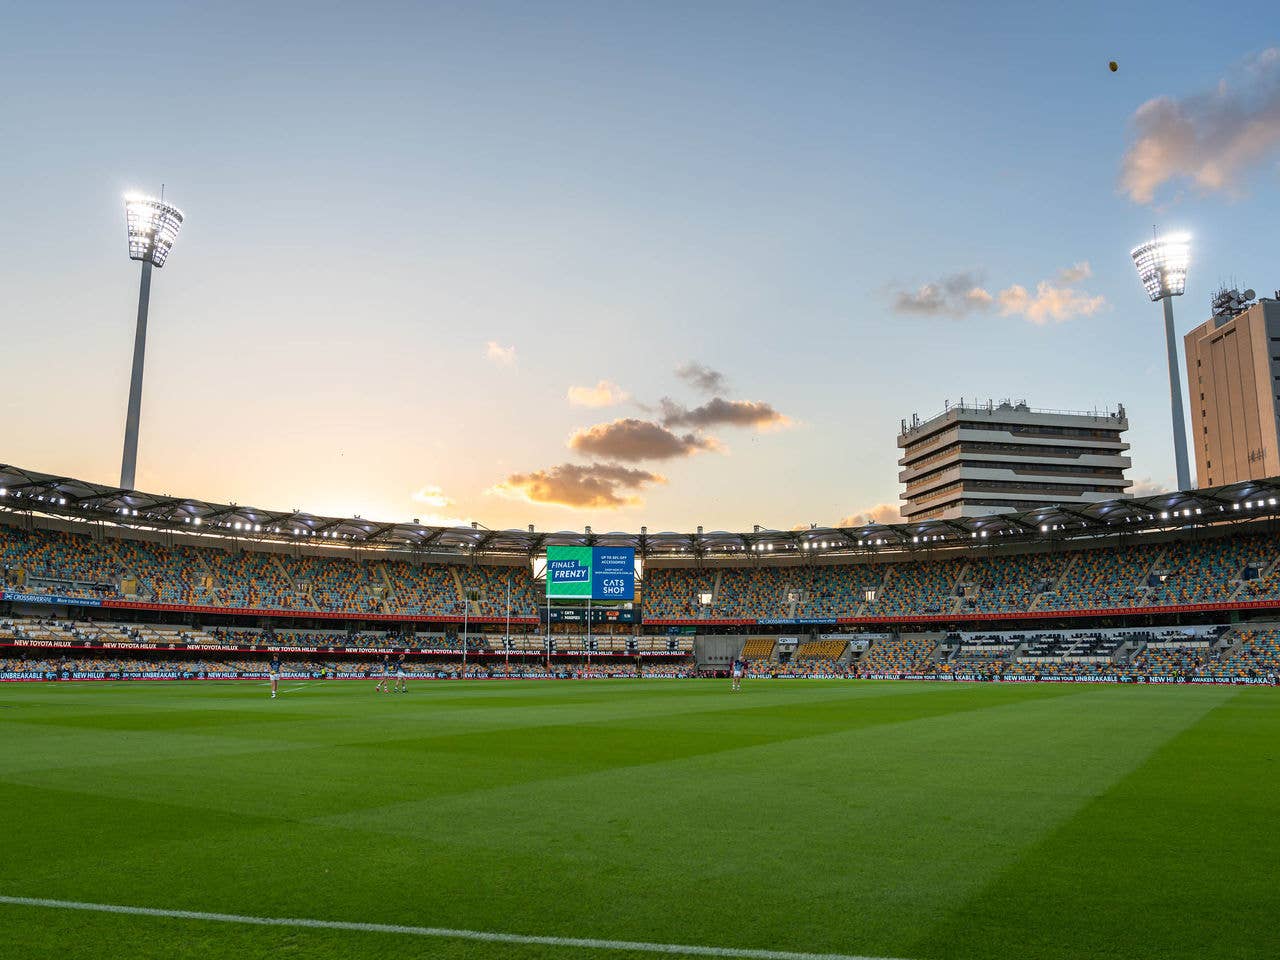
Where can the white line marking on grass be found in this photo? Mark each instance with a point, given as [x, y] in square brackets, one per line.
[440, 932]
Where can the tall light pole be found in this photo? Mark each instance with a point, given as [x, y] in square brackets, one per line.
[466, 613]
[1162, 266]
[153, 227]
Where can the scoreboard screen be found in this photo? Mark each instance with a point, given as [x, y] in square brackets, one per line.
[595, 573]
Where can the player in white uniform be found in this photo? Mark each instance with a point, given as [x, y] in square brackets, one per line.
[737, 671]
[274, 673]
[402, 684]
[384, 675]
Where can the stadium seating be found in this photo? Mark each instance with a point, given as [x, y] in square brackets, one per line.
[917, 587]
[1171, 572]
[812, 667]
[1012, 582]
[334, 584]
[833, 591]
[820, 650]
[675, 592]
[1108, 577]
[489, 584]
[982, 654]
[1196, 572]
[256, 580]
[898, 654]
[421, 588]
[166, 575]
[752, 593]
[47, 559]
[1256, 654]
[758, 648]
[1162, 661]
[1219, 652]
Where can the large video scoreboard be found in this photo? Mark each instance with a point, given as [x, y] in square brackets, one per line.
[591, 573]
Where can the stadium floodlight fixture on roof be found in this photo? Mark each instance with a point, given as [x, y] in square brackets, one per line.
[1162, 264]
[1162, 267]
[152, 227]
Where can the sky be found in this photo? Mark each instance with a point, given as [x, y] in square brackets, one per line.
[608, 264]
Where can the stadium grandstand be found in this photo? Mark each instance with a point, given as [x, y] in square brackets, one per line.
[1181, 585]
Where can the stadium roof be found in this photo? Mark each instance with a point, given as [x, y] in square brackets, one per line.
[26, 491]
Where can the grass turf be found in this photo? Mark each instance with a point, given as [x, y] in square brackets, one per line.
[887, 819]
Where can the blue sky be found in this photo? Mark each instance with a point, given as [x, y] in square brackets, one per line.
[376, 192]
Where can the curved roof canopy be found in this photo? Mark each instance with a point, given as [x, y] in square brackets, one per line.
[27, 491]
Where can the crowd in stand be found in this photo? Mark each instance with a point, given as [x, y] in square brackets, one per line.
[45, 562]
[1245, 654]
[1258, 653]
[73, 666]
[1173, 572]
[817, 667]
[1158, 574]
[897, 655]
[1216, 653]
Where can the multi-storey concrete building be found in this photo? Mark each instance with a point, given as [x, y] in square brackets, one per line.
[1233, 375]
[971, 461]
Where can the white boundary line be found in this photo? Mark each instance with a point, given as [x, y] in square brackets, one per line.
[439, 932]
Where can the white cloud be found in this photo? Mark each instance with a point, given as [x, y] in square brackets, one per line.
[1075, 273]
[954, 295]
[960, 294]
[605, 393]
[1048, 303]
[1212, 139]
[880, 513]
[1146, 487]
[432, 496]
[598, 486]
[496, 353]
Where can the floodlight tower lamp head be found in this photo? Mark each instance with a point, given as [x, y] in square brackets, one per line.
[152, 226]
[1162, 265]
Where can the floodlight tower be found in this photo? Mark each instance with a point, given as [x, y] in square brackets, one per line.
[153, 227]
[1162, 268]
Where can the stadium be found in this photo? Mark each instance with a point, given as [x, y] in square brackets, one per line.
[489, 812]
[559, 324]
[1176, 587]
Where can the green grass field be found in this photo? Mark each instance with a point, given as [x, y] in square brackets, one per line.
[881, 819]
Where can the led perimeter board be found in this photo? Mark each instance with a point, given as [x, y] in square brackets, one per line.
[591, 573]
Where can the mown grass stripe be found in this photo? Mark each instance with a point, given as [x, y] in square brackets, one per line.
[445, 933]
